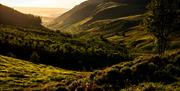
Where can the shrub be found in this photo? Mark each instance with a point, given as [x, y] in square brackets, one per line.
[171, 69]
[113, 74]
[61, 89]
[10, 54]
[163, 76]
[35, 57]
[177, 59]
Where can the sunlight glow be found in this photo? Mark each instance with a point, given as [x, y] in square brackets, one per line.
[42, 3]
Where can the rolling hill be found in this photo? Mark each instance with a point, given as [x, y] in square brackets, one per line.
[76, 14]
[92, 11]
[10, 16]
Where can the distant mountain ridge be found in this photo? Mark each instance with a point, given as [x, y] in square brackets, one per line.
[10, 16]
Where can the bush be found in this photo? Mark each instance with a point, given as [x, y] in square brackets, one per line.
[113, 74]
[177, 59]
[10, 54]
[171, 69]
[61, 89]
[35, 57]
[163, 76]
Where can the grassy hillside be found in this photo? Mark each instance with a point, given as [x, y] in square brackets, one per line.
[18, 74]
[22, 43]
[76, 14]
[100, 10]
[10, 16]
[144, 73]
[109, 9]
[110, 41]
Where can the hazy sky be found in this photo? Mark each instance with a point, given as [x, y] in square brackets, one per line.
[41, 3]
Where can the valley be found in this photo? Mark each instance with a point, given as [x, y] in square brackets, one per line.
[99, 45]
[47, 14]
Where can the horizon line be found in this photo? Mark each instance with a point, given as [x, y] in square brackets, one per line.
[38, 7]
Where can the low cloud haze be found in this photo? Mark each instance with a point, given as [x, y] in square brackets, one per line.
[42, 3]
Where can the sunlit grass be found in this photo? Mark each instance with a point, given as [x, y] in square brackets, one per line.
[19, 74]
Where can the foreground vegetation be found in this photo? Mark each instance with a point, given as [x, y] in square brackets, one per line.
[148, 72]
[21, 75]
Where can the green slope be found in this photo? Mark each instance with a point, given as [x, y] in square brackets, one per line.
[144, 73]
[95, 11]
[76, 14]
[18, 74]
